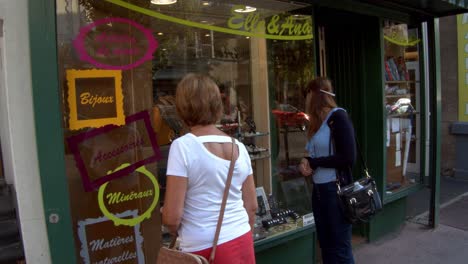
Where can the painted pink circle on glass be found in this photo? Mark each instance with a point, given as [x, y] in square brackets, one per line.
[80, 43]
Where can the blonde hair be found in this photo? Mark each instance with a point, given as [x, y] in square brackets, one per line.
[318, 102]
[198, 100]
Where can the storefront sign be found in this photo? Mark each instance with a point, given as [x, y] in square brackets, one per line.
[292, 25]
[462, 28]
[103, 45]
[99, 151]
[102, 242]
[116, 198]
[95, 98]
[290, 28]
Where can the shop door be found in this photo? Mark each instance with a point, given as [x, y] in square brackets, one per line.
[350, 55]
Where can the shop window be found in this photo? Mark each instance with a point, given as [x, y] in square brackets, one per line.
[292, 67]
[119, 64]
[402, 101]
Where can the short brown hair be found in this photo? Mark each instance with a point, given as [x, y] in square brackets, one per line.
[198, 100]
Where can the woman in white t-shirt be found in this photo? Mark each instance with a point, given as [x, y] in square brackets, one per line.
[196, 176]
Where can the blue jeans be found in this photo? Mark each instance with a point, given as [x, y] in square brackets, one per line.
[333, 231]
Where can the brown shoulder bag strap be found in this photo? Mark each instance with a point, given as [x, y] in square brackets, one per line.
[223, 204]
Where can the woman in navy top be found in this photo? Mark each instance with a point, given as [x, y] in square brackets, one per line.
[332, 152]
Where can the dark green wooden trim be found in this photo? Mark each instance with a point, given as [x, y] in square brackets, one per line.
[274, 131]
[298, 249]
[382, 182]
[372, 131]
[388, 220]
[283, 238]
[388, 198]
[49, 133]
[436, 118]
[424, 115]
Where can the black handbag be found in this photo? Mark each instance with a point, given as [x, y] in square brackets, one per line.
[360, 200]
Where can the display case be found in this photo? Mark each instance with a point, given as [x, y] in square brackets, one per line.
[402, 103]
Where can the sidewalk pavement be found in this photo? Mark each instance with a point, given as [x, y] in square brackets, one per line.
[415, 244]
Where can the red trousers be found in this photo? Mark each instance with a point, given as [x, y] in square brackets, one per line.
[236, 251]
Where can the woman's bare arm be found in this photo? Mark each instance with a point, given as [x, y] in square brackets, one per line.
[176, 188]
[249, 196]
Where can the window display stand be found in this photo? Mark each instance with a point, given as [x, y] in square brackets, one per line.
[255, 152]
[280, 235]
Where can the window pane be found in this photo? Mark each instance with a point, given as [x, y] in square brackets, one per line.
[119, 65]
[293, 66]
[402, 95]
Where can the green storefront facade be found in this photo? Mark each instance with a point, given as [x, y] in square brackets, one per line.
[383, 59]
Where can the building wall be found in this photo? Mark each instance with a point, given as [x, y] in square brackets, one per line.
[449, 73]
[17, 129]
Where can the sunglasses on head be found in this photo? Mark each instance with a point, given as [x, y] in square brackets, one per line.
[323, 91]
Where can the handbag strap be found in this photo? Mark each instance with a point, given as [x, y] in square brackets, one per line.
[361, 157]
[223, 204]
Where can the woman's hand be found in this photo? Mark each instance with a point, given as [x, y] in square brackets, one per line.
[304, 167]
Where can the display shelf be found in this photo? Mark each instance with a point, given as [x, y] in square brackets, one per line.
[401, 82]
[398, 95]
[227, 125]
[403, 115]
[257, 134]
[239, 61]
[259, 156]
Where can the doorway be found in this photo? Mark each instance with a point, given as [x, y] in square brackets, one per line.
[349, 50]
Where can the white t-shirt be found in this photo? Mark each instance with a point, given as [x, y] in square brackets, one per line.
[207, 174]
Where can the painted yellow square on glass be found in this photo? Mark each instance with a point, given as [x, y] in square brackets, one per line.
[95, 98]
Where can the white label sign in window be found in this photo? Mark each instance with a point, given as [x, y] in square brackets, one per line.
[308, 219]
